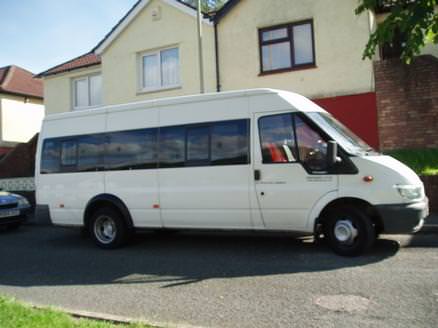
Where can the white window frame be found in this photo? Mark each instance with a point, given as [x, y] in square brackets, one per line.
[73, 88]
[160, 87]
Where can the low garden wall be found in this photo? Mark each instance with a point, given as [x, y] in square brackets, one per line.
[431, 186]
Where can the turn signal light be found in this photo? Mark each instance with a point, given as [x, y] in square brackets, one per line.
[368, 178]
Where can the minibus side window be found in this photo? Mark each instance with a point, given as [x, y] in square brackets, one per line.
[90, 153]
[129, 150]
[277, 139]
[229, 143]
[172, 146]
[198, 145]
[312, 146]
[50, 157]
[69, 150]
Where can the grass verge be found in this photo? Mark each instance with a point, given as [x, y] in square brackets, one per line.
[422, 161]
[16, 315]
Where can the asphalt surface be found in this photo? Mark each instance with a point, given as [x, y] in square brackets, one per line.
[226, 280]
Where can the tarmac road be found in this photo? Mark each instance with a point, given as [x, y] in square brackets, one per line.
[226, 280]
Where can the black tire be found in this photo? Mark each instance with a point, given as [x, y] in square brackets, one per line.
[117, 235]
[13, 226]
[342, 219]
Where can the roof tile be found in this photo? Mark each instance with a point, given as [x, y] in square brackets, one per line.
[89, 59]
[16, 80]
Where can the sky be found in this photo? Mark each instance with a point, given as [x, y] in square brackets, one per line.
[39, 34]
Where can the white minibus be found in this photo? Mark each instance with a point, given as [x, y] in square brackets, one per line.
[262, 159]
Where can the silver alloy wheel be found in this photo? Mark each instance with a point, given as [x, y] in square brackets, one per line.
[345, 232]
[105, 229]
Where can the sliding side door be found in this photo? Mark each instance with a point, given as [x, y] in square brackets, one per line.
[204, 175]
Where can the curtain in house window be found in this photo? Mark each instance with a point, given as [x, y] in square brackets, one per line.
[151, 71]
[303, 45]
[81, 93]
[169, 67]
[276, 56]
[95, 90]
[275, 34]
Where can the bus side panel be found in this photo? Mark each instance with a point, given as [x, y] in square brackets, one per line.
[211, 197]
[206, 197]
[138, 189]
[67, 194]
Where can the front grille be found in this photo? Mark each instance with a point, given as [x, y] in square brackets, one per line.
[6, 206]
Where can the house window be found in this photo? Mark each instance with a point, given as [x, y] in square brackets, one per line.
[87, 91]
[287, 47]
[160, 70]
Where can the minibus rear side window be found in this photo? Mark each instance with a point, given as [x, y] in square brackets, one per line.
[50, 157]
[69, 151]
[129, 150]
[277, 139]
[172, 146]
[198, 145]
[229, 143]
[90, 153]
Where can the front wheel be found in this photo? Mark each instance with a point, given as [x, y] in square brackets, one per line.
[108, 228]
[349, 231]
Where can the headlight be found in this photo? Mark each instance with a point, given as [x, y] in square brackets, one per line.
[22, 202]
[410, 192]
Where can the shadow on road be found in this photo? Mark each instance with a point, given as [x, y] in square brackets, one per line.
[425, 239]
[47, 256]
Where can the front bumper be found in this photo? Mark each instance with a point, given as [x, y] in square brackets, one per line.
[403, 218]
[21, 217]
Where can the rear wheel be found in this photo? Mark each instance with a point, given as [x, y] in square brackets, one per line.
[349, 231]
[108, 228]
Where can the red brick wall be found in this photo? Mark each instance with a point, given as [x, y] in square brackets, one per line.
[407, 103]
[431, 187]
[20, 161]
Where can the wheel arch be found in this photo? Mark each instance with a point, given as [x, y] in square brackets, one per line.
[108, 200]
[368, 208]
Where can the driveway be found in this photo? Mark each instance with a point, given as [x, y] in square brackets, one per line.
[223, 280]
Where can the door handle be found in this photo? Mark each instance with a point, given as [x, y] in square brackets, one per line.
[257, 175]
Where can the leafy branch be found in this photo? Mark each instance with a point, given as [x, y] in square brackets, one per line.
[416, 20]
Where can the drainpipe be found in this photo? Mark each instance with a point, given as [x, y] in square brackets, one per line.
[201, 59]
[216, 50]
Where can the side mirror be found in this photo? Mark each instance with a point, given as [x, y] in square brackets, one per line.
[332, 153]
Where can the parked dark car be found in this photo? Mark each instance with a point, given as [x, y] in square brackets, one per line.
[14, 210]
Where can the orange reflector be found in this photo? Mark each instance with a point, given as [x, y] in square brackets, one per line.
[368, 178]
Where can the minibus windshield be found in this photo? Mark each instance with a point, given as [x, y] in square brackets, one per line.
[350, 142]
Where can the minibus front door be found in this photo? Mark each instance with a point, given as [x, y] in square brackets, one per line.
[289, 169]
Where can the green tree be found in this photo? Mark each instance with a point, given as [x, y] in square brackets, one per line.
[207, 5]
[416, 20]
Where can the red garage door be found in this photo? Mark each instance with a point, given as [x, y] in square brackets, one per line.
[358, 112]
